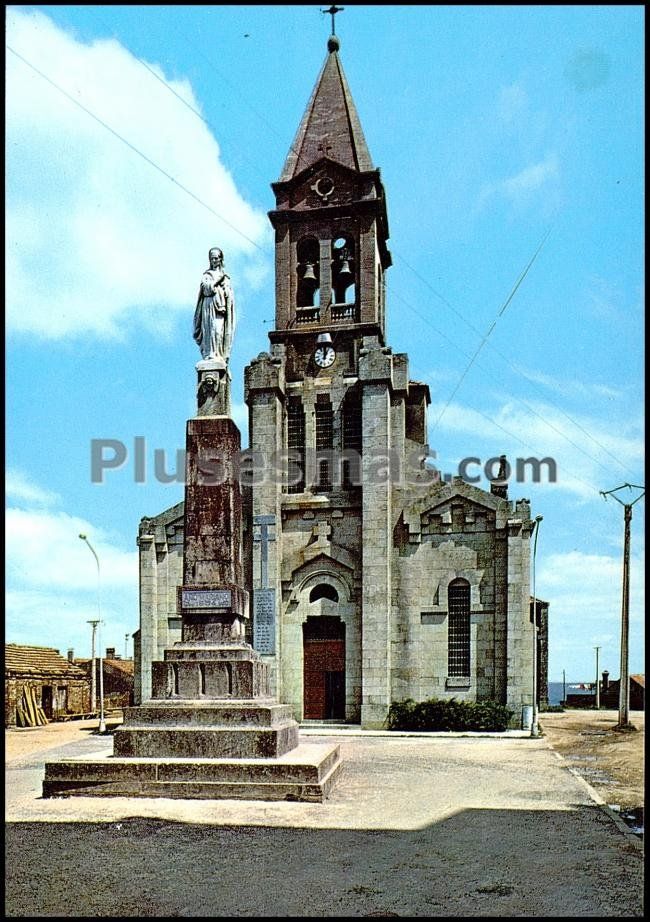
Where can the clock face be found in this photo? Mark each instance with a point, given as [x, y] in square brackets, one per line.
[324, 356]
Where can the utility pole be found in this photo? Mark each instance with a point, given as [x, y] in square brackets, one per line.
[93, 677]
[564, 687]
[534, 727]
[624, 690]
[597, 679]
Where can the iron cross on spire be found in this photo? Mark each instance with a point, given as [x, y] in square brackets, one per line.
[333, 10]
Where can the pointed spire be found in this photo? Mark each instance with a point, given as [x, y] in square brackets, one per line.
[330, 126]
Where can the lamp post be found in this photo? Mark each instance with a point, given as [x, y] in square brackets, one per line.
[534, 729]
[93, 678]
[102, 722]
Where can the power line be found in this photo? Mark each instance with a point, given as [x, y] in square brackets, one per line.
[494, 323]
[516, 370]
[272, 127]
[261, 249]
[485, 371]
[484, 338]
[138, 151]
[490, 419]
[529, 447]
[240, 154]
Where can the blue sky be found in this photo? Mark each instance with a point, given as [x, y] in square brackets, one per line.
[495, 128]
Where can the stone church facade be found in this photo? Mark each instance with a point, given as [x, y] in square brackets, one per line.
[370, 580]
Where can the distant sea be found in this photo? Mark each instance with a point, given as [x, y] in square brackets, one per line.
[555, 691]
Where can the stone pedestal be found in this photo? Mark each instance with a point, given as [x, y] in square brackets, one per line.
[211, 728]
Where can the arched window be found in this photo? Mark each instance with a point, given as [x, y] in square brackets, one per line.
[323, 591]
[343, 270]
[308, 271]
[458, 596]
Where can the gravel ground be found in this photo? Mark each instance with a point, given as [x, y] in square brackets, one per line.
[414, 827]
[609, 760]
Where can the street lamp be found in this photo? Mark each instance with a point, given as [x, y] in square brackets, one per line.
[534, 728]
[102, 722]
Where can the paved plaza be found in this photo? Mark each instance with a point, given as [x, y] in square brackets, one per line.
[416, 826]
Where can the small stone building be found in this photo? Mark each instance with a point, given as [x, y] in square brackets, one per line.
[48, 679]
[371, 580]
[118, 679]
[610, 691]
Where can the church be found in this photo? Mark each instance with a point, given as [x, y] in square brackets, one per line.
[370, 580]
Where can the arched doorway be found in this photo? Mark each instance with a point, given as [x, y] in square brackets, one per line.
[324, 668]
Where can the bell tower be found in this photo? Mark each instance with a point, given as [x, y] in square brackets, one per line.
[331, 228]
[327, 403]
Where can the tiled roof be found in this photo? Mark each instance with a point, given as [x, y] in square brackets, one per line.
[26, 660]
[122, 665]
[639, 679]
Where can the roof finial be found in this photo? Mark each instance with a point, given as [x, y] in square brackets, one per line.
[333, 43]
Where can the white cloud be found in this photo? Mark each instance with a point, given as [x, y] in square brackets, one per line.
[513, 101]
[97, 238]
[59, 619]
[523, 187]
[240, 416]
[521, 433]
[571, 387]
[20, 488]
[531, 178]
[52, 587]
[584, 592]
[44, 552]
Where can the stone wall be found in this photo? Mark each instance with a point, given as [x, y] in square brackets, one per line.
[69, 696]
[160, 543]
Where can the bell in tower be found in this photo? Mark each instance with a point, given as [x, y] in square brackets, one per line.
[342, 272]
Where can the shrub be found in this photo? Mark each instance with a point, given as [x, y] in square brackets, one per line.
[448, 714]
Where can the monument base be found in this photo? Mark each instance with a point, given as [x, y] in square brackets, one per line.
[254, 729]
[307, 774]
[228, 748]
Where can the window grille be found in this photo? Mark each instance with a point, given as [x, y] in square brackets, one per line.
[352, 420]
[296, 443]
[352, 440]
[324, 441]
[458, 636]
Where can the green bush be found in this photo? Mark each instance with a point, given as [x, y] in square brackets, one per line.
[448, 714]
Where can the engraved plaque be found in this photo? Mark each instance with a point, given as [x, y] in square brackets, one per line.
[264, 620]
[206, 598]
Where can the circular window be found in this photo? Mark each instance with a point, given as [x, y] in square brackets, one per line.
[324, 186]
[339, 243]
